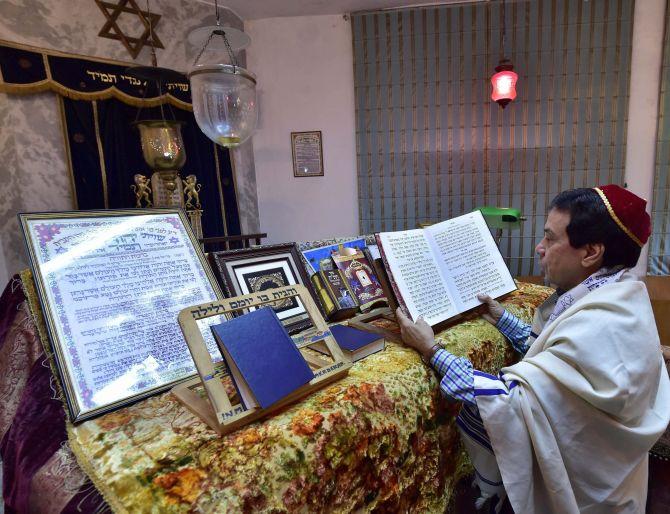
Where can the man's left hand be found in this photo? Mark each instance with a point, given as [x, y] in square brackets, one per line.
[417, 335]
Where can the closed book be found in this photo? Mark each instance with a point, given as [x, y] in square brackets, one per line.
[328, 307]
[354, 343]
[340, 294]
[262, 357]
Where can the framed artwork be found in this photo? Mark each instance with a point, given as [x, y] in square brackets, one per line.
[111, 284]
[307, 152]
[252, 270]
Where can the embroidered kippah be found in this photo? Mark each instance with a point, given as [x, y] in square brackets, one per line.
[627, 210]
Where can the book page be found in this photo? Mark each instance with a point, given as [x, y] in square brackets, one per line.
[417, 275]
[470, 259]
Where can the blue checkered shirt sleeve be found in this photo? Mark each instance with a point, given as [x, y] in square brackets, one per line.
[515, 330]
[458, 380]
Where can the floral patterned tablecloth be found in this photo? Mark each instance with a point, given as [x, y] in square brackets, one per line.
[381, 439]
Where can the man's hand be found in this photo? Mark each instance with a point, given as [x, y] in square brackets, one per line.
[493, 310]
[417, 335]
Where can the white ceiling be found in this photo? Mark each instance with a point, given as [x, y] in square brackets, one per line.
[257, 9]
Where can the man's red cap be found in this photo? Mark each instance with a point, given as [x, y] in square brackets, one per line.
[627, 210]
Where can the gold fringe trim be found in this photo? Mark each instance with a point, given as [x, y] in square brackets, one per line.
[49, 84]
[101, 154]
[30, 292]
[111, 92]
[85, 464]
[616, 218]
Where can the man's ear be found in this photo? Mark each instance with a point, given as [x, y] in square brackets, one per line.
[593, 255]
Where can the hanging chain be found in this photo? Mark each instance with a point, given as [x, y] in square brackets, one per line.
[502, 36]
[154, 60]
[233, 60]
[202, 50]
[218, 32]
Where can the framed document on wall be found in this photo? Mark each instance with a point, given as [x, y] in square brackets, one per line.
[111, 284]
[307, 153]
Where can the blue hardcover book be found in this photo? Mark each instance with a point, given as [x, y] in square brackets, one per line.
[262, 357]
[356, 343]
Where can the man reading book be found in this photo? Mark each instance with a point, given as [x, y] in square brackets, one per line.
[567, 429]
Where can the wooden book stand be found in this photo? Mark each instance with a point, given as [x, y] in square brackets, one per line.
[380, 321]
[215, 407]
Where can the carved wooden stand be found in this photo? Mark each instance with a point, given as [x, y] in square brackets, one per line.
[215, 407]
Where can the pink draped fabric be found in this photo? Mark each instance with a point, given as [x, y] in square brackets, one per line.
[40, 473]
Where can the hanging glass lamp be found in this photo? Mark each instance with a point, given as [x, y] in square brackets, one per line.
[162, 144]
[504, 83]
[223, 93]
[504, 79]
[224, 102]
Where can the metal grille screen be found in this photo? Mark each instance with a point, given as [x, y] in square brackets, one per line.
[659, 244]
[432, 145]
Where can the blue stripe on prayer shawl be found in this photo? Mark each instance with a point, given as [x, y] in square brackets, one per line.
[472, 425]
[473, 435]
[474, 422]
[478, 373]
[495, 390]
[490, 392]
[490, 482]
[499, 378]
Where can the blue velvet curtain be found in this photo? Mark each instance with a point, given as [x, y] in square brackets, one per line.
[99, 102]
[104, 181]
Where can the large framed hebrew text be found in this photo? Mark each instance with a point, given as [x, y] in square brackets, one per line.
[111, 284]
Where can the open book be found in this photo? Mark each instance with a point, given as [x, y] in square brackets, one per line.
[438, 271]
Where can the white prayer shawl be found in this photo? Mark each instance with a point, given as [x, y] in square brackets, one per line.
[572, 422]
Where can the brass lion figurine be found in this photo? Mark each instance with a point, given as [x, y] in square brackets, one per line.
[191, 190]
[141, 190]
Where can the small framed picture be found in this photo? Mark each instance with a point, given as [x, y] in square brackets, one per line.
[307, 153]
[252, 270]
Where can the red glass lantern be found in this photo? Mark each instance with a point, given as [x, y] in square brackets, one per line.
[504, 83]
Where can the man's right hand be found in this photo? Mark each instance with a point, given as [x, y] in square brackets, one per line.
[417, 335]
[493, 310]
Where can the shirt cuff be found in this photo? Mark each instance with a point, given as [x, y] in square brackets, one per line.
[441, 359]
[457, 381]
[509, 325]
